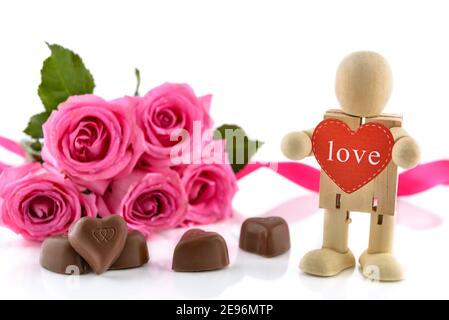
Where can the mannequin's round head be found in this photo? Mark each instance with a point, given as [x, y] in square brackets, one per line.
[363, 84]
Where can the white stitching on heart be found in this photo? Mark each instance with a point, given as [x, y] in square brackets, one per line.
[344, 125]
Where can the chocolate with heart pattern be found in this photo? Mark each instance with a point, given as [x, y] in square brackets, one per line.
[99, 241]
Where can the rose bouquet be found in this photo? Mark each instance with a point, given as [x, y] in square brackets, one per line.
[154, 159]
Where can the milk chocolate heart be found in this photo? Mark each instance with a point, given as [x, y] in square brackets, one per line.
[268, 236]
[57, 255]
[134, 254]
[99, 241]
[199, 250]
[352, 158]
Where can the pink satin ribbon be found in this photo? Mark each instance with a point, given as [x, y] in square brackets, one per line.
[416, 180]
[13, 147]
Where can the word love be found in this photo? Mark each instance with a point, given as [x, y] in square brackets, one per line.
[343, 155]
[352, 158]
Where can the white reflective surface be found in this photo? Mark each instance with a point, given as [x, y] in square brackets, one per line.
[421, 245]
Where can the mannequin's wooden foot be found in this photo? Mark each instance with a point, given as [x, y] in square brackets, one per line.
[381, 267]
[326, 262]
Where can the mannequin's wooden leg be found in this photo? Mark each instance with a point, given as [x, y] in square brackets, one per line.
[381, 233]
[335, 233]
[378, 262]
[334, 256]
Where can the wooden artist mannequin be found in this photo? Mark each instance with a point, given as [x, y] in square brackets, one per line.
[363, 86]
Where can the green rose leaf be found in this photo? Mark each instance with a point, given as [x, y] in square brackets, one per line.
[32, 150]
[137, 74]
[34, 128]
[239, 147]
[63, 75]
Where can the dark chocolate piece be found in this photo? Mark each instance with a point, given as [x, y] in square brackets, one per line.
[268, 237]
[57, 255]
[99, 241]
[134, 254]
[200, 251]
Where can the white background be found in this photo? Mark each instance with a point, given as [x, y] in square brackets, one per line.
[270, 66]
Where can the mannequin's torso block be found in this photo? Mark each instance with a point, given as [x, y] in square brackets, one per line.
[379, 195]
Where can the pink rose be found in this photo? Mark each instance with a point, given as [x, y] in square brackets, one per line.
[92, 140]
[210, 187]
[148, 201]
[163, 113]
[37, 201]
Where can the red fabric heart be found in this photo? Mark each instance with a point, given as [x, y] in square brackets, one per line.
[352, 158]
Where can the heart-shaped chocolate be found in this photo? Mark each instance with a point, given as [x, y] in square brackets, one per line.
[99, 241]
[199, 250]
[134, 254]
[352, 158]
[57, 255]
[267, 236]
